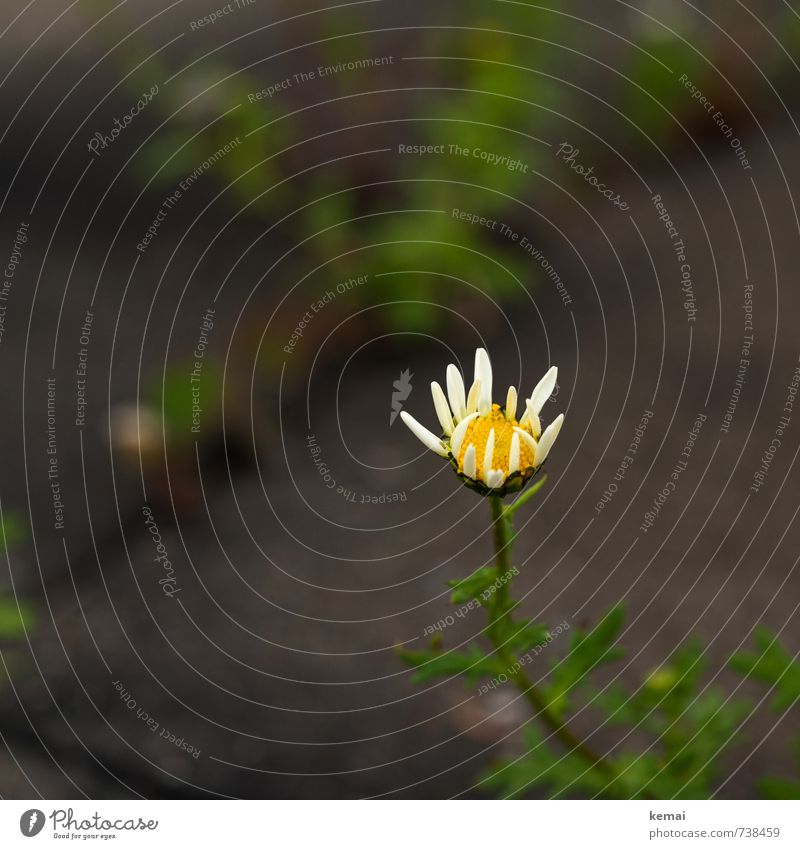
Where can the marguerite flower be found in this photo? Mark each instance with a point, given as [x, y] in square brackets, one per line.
[491, 450]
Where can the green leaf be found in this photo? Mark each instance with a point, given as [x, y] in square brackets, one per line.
[543, 766]
[526, 636]
[473, 664]
[616, 702]
[599, 640]
[509, 511]
[771, 664]
[687, 665]
[639, 774]
[465, 589]
[588, 650]
[692, 730]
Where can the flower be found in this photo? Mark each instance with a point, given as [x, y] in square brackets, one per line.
[491, 451]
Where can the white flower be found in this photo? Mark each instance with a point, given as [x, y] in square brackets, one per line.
[489, 448]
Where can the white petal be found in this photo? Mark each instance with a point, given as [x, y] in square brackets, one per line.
[511, 403]
[547, 440]
[513, 455]
[527, 439]
[483, 367]
[488, 454]
[496, 478]
[544, 389]
[455, 392]
[442, 408]
[483, 373]
[472, 400]
[428, 439]
[458, 434]
[533, 420]
[470, 465]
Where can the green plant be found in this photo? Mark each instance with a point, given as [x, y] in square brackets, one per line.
[771, 664]
[688, 726]
[663, 737]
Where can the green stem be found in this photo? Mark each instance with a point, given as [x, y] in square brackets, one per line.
[499, 609]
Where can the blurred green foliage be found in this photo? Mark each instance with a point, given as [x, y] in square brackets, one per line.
[16, 617]
[495, 77]
[656, 104]
[171, 398]
[490, 81]
[771, 664]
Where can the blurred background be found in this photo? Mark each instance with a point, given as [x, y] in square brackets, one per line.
[237, 238]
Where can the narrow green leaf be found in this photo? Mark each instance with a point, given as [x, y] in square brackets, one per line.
[473, 664]
[771, 664]
[473, 586]
[526, 636]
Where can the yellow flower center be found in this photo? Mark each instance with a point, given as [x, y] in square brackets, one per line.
[478, 432]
